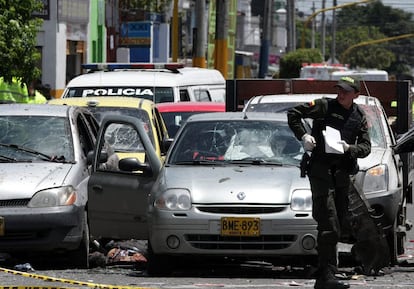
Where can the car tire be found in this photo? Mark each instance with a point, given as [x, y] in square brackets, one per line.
[158, 265]
[80, 257]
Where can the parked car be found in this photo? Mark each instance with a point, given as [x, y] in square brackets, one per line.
[120, 138]
[175, 113]
[44, 169]
[380, 174]
[231, 187]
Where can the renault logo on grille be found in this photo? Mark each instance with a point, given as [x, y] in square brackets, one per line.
[241, 195]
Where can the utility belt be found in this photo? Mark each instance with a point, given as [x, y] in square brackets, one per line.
[334, 161]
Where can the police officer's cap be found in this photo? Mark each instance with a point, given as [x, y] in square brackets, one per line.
[349, 83]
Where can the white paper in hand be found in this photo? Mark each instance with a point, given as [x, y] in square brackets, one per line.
[332, 141]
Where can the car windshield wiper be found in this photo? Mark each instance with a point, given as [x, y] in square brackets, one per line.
[30, 151]
[4, 158]
[198, 162]
[255, 161]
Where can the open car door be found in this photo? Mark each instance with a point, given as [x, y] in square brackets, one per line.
[119, 183]
[405, 143]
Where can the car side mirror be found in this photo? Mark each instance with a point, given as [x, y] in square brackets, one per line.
[133, 164]
[103, 158]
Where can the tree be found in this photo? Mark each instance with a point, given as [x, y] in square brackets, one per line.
[291, 63]
[18, 31]
[367, 56]
[390, 23]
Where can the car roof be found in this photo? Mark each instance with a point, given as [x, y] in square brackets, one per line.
[34, 109]
[237, 115]
[191, 106]
[107, 101]
[148, 77]
[306, 97]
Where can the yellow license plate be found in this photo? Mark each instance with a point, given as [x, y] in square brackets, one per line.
[240, 226]
[1, 226]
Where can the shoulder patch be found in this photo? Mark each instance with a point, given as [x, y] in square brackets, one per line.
[312, 103]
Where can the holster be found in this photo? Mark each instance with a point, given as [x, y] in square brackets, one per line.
[304, 164]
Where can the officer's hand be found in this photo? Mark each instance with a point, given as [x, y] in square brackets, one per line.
[344, 145]
[308, 142]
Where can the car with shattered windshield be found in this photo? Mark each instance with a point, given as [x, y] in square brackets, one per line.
[380, 175]
[121, 138]
[44, 169]
[231, 187]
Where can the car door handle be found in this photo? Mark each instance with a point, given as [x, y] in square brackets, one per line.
[97, 188]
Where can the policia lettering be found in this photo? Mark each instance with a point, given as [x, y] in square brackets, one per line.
[330, 174]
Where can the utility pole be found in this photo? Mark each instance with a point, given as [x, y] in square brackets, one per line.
[264, 48]
[174, 38]
[313, 27]
[333, 44]
[323, 30]
[220, 48]
[200, 35]
[291, 25]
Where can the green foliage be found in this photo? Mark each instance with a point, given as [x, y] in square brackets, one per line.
[18, 31]
[291, 62]
[389, 22]
[368, 56]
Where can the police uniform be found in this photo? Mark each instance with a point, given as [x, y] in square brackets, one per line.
[329, 174]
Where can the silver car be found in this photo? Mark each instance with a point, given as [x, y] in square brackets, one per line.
[231, 187]
[44, 174]
[380, 174]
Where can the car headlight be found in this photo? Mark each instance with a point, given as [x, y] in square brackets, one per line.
[174, 199]
[376, 179]
[62, 196]
[301, 200]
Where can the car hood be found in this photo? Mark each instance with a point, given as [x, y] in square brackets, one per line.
[22, 180]
[236, 184]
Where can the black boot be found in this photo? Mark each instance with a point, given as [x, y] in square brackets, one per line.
[327, 280]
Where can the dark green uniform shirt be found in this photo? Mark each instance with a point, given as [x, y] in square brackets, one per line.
[351, 123]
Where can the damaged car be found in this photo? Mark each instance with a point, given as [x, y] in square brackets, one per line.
[44, 175]
[230, 187]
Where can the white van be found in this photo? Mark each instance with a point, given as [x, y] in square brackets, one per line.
[320, 71]
[159, 82]
[366, 74]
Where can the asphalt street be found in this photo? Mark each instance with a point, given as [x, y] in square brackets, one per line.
[245, 275]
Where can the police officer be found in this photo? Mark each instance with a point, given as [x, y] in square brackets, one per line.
[330, 173]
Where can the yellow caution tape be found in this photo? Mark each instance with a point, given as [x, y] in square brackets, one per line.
[66, 281]
[34, 287]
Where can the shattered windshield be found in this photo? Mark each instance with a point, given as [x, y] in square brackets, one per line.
[122, 137]
[372, 113]
[375, 129]
[237, 141]
[35, 137]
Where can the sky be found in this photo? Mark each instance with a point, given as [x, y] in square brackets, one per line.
[306, 5]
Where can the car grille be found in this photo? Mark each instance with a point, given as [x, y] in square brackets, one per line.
[14, 203]
[216, 242]
[240, 210]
